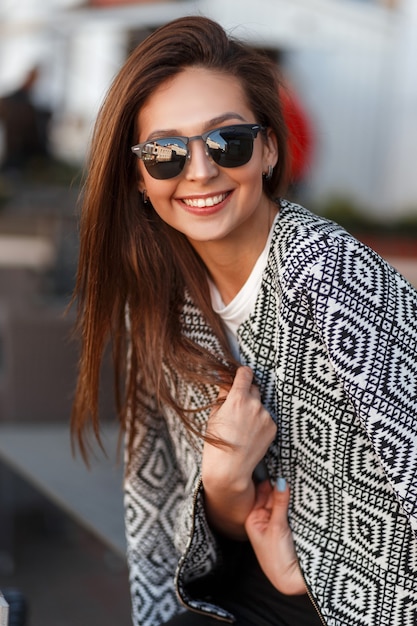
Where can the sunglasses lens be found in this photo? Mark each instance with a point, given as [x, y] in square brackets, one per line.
[230, 146]
[164, 158]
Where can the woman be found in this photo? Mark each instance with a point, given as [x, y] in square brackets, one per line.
[262, 342]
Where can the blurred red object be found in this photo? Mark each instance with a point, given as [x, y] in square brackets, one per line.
[300, 135]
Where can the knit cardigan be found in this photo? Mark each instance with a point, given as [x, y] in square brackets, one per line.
[333, 345]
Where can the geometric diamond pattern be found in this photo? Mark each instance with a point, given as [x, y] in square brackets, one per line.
[367, 531]
[355, 599]
[332, 342]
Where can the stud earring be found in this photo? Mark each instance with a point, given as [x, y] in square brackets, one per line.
[145, 197]
[268, 175]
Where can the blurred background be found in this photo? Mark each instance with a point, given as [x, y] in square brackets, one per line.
[350, 100]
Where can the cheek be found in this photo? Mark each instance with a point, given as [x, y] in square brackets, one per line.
[160, 193]
[253, 175]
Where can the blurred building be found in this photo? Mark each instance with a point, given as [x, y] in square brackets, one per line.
[352, 63]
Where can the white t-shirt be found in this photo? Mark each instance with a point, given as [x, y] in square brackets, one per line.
[239, 309]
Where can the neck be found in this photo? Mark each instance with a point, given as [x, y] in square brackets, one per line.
[230, 261]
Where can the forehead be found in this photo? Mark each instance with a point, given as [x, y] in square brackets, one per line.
[189, 100]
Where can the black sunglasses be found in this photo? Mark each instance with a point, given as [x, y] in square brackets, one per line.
[228, 146]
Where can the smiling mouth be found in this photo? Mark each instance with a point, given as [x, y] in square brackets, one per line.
[201, 203]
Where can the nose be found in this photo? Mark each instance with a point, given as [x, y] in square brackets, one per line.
[199, 166]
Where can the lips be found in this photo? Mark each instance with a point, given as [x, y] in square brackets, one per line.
[202, 203]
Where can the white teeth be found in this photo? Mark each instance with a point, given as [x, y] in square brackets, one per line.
[203, 202]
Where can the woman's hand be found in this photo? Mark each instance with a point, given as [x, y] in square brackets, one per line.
[270, 535]
[243, 423]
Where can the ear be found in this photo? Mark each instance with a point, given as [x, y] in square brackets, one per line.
[141, 184]
[270, 153]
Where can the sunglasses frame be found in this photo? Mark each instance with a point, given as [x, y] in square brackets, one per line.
[139, 149]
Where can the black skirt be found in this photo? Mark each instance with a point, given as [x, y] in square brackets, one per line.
[242, 588]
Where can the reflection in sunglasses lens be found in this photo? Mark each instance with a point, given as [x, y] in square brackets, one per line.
[229, 146]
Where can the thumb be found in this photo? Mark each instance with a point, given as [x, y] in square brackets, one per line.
[280, 497]
[273, 543]
[242, 382]
[243, 379]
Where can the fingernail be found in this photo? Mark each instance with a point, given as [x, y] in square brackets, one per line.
[281, 484]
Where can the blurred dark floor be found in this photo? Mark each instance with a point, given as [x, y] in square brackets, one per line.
[68, 577]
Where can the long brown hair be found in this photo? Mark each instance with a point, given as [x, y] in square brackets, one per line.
[129, 258]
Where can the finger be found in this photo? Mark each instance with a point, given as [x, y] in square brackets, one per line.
[258, 519]
[280, 499]
[243, 379]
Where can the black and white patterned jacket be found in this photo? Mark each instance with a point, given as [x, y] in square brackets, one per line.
[333, 344]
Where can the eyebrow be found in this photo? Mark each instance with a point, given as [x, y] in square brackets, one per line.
[172, 132]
